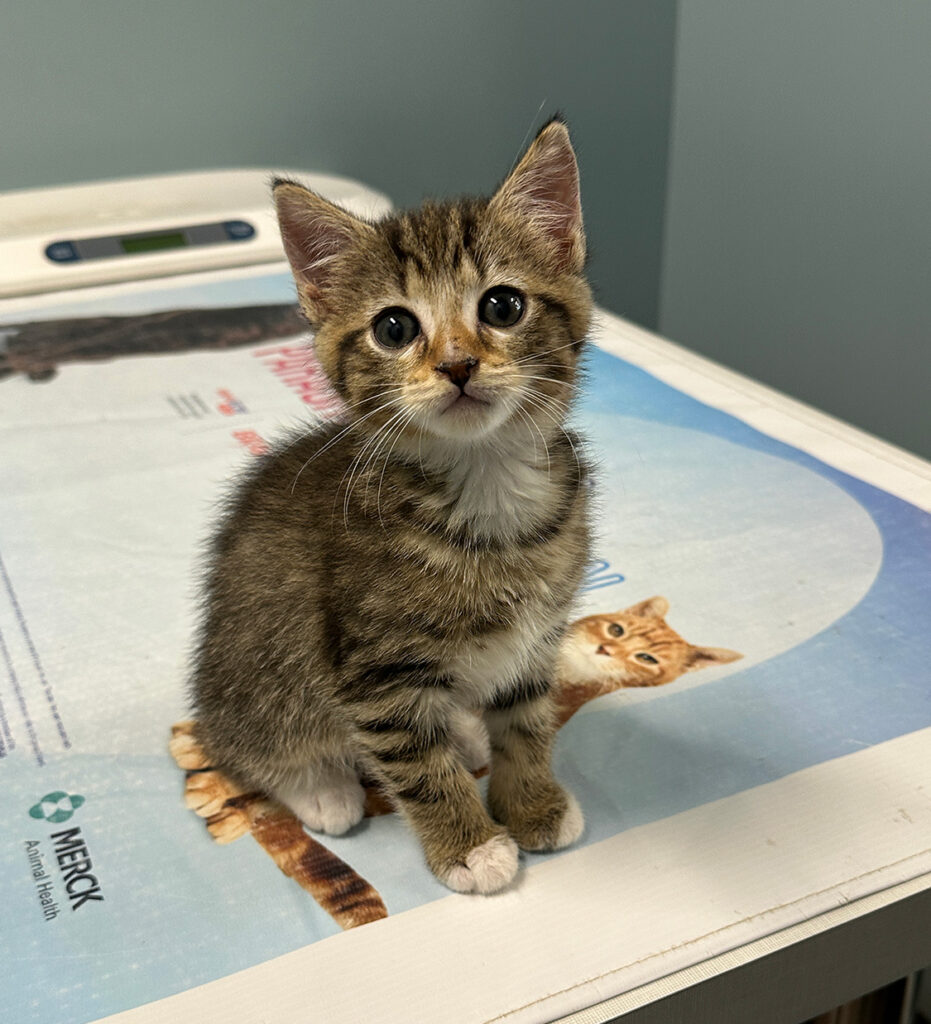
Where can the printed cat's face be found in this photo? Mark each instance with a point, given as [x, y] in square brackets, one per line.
[633, 647]
[454, 319]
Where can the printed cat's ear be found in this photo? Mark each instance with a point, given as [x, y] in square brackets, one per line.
[702, 657]
[314, 233]
[544, 189]
[653, 608]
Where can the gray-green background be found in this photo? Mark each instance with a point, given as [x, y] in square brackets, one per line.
[756, 175]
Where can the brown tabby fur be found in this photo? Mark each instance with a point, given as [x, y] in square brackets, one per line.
[375, 580]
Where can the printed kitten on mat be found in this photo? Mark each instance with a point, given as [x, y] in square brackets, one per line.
[633, 647]
[376, 581]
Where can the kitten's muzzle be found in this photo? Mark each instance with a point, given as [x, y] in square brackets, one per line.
[458, 372]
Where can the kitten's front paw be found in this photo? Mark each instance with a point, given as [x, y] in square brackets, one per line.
[486, 869]
[551, 822]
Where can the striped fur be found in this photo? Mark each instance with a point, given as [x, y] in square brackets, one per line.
[376, 578]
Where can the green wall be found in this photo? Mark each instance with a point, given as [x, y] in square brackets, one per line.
[798, 233]
[414, 98]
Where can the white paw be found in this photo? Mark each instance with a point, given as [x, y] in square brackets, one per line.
[572, 824]
[332, 805]
[470, 739]
[487, 868]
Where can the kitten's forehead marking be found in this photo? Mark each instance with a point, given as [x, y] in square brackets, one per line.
[428, 240]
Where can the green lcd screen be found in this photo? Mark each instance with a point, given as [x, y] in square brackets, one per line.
[150, 243]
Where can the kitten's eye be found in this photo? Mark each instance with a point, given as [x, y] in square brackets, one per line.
[647, 659]
[615, 630]
[395, 327]
[501, 307]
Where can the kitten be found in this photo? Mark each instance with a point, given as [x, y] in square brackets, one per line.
[374, 582]
[633, 647]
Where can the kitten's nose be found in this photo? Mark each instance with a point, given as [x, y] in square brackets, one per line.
[458, 372]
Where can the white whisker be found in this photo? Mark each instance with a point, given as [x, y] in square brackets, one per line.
[545, 352]
[400, 430]
[372, 446]
[333, 440]
[546, 406]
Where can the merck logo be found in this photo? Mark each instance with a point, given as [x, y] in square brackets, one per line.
[56, 807]
[75, 865]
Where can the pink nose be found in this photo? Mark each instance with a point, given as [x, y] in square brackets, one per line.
[602, 649]
[460, 372]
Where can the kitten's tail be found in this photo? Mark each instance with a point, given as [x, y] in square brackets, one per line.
[230, 813]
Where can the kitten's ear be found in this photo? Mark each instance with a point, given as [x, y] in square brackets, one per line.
[702, 657]
[653, 608]
[314, 233]
[544, 189]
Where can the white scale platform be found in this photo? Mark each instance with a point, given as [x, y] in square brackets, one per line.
[730, 814]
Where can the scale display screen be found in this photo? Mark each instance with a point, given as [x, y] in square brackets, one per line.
[149, 243]
[184, 236]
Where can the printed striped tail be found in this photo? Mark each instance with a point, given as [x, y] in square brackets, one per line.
[230, 813]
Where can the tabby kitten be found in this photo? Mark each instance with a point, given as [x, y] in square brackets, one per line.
[633, 647]
[375, 582]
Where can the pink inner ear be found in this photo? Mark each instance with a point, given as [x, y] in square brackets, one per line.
[313, 232]
[545, 186]
[553, 186]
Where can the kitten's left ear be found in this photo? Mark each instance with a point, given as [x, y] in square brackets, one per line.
[544, 189]
[702, 657]
[314, 233]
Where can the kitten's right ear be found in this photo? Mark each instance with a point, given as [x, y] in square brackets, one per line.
[314, 233]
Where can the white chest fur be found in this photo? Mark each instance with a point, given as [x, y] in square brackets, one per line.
[498, 492]
[496, 663]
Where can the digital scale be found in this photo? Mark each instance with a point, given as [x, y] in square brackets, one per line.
[758, 833]
[77, 236]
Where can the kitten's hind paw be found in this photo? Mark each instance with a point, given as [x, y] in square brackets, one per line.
[551, 822]
[572, 824]
[487, 868]
[330, 803]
